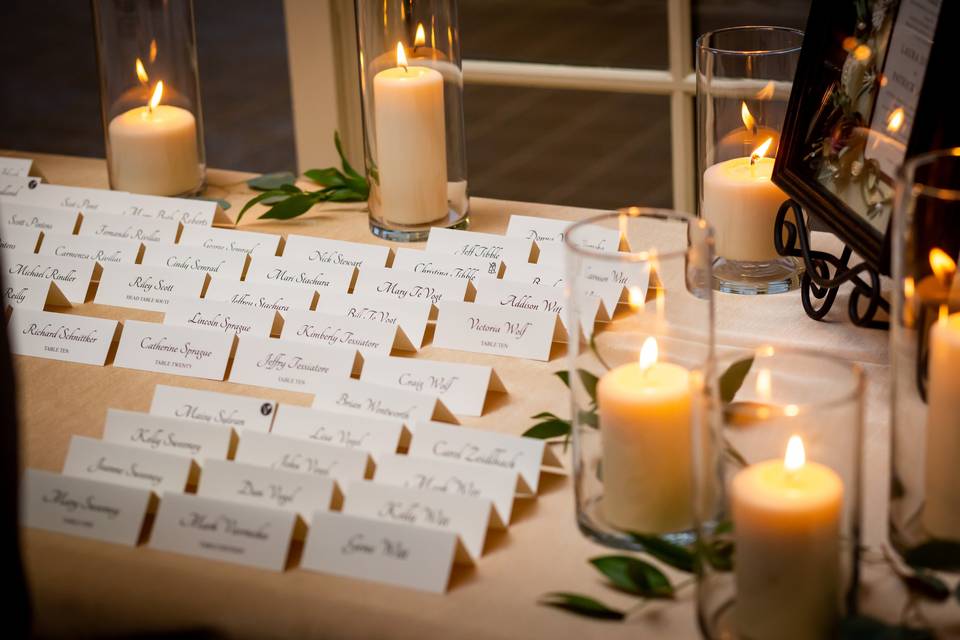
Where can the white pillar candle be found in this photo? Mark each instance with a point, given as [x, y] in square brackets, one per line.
[645, 411]
[411, 143]
[786, 520]
[941, 511]
[741, 203]
[153, 149]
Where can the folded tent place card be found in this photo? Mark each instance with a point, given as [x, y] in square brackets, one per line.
[103, 251]
[18, 239]
[313, 276]
[139, 287]
[302, 456]
[182, 351]
[83, 507]
[461, 387]
[353, 396]
[518, 333]
[111, 225]
[257, 485]
[72, 276]
[216, 262]
[609, 291]
[338, 252]
[15, 166]
[246, 242]
[448, 266]
[24, 216]
[190, 212]
[549, 234]
[412, 316]
[27, 293]
[11, 186]
[216, 315]
[388, 552]
[480, 245]
[60, 336]
[167, 435]
[366, 336]
[537, 297]
[402, 285]
[367, 433]
[127, 465]
[73, 199]
[261, 295]
[294, 366]
[228, 531]
[211, 407]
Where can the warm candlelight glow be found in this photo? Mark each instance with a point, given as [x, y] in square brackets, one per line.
[760, 151]
[895, 120]
[155, 98]
[764, 384]
[795, 457]
[142, 73]
[909, 288]
[421, 38]
[401, 56]
[748, 120]
[153, 50]
[648, 353]
[943, 315]
[862, 52]
[635, 298]
[942, 264]
[767, 92]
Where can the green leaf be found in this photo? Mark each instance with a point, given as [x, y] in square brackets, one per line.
[548, 429]
[259, 198]
[864, 628]
[291, 207]
[329, 177]
[936, 554]
[545, 414]
[589, 383]
[634, 576]
[346, 195]
[719, 553]
[732, 379]
[927, 585]
[349, 170]
[564, 376]
[270, 181]
[581, 605]
[669, 553]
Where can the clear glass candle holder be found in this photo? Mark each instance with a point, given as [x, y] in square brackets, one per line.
[744, 78]
[925, 350]
[631, 379]
[778, 496]
[412, 97]
[150, 96]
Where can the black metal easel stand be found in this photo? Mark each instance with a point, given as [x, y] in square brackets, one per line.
[818, 290]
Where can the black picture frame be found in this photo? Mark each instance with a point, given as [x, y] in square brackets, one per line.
[812, 115]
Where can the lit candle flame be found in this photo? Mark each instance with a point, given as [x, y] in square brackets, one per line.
[635, 298]
[943, 315]
[142, 73]
[748, 120]
[862, 52]
[421, 38]
[895, 120]
[760, 151]
[648, 353]
[943, 265]
[155, 98]
[764, 384]
[153, 50]
[401, 56]
[795, 457]
[766, 93]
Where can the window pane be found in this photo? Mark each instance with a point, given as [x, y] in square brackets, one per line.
[708, 15]
[578, 148]
[602, 33]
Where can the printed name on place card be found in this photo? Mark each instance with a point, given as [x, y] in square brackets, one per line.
[103, 251]
[368, 433]
[461, 387]
[354, 396]
[516, 295]
[223, 530]
[127, 465]
[366, 336]
[246, 242]
[167, 435]
[83, 507]
[60, 336]
[405, 285]
[518, 333]
[295, 366]
[28, 293]
[610, 292]
[302, 456]
[260, 295]
[15, 166]
[257, 485]
[339, 252]
[12, 186]
[139, 287]
[480, 245]
[216, 315]
[24, 216]
[111, 225]
[216, 262]
[211, 407]
[397, 554]
[313, 276]
[18, 239]
[74, 199]
[412, 316]
[187, 211]
[71, 276]
[183, 351]
[448, 266]
[550, 231]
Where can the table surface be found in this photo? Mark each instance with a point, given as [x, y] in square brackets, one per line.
[82, 586]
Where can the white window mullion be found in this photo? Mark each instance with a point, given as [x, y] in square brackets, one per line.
[683, 149]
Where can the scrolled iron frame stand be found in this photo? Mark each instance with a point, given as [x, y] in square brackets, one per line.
[818, 290]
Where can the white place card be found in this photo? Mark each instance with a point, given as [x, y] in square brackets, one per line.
[60, 336]
[412, 316]
[456, 478]
[397, 554]
[216, 315]
[550, 231]
[211, 407]
[302, 456]
[309, 275]
[27, 293]
[448, 266]
[74, 199]
[167, 435]
[340, 252]
[103, 251]
[480, 245]
[12, 186]
[246, 242]
[610, 292]
[513, 295]
[111, 225]
[257, 485]
[402, 285]
[83, 507]
[295, 366]
[182, 351]
[15, 166]
[49, 220]
[127, 465]
[367, 433]
[217, 263]
[187, 211]
[603, 277]
[518, 333]
[71, 276]
[461, 387]
[139, 287]
[19, 239]
[366, 336]
[346, 395]
[223, 530]
[538, 274]
[260, 295]
[481, 447]
[467, 517]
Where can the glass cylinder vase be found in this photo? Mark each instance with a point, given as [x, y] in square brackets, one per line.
[150, 96]
[925, 351]
[778, 496]
[744, 79]
[412, 96]
[631, 380]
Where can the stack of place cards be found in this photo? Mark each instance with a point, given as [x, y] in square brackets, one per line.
[346, 395]
[410, 315]
[139, 287]
[245, 242]
[210, 407]
[60, 336]
[480, 245]
[335, 252]
[518, 333]
[160, 348]
[366, 336]
[294, 366]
